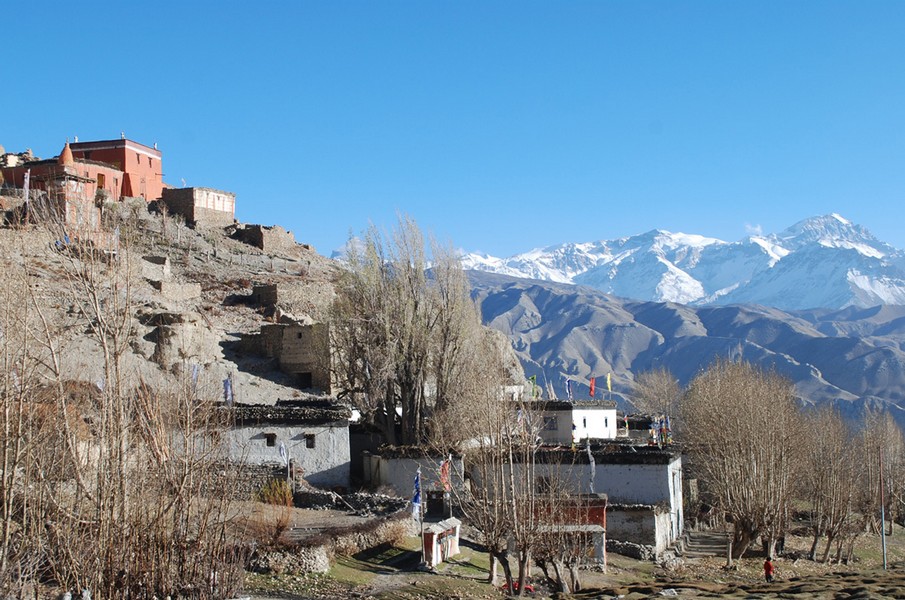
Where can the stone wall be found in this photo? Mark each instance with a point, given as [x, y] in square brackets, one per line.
[177, 292]
[301, 350]
[156, 268]
[317, 554]
[297, 298]
[264, 295]
[639, 524]
[201, 207]
[274, 240]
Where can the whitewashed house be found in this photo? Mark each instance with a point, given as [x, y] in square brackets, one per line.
[567, 421]
[314, 436]
[643, 485]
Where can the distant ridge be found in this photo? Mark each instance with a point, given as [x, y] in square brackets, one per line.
[821, 262]
[852, 358]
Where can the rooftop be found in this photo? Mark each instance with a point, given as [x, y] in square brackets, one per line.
[285, 412]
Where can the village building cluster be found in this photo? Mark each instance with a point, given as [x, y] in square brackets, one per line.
[74, 186]
[636, 486]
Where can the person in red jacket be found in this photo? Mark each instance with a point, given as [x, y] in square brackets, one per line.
[768, 569]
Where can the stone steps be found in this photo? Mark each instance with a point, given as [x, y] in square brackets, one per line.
[705, 543]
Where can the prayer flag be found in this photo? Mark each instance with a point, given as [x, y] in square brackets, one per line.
[593, 382]
[569, 388]
[444, 473]
[609, 382]
[228, 392]
[416, 497]
[283, 454]
[25, 184]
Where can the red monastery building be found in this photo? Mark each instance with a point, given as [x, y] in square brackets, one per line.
[114, 169]
[142, 175]
[74, 186]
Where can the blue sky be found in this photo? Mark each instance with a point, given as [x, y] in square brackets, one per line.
[499, 126]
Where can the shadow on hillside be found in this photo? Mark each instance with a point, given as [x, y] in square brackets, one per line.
[259, 366]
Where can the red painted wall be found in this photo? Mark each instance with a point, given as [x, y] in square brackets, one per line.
[141, 165]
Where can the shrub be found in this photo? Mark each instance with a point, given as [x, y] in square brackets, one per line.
[276, 492]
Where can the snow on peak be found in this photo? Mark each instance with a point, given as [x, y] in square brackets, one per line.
[769, 269]
[841, 219]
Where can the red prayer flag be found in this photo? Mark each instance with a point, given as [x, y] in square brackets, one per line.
[592, 386]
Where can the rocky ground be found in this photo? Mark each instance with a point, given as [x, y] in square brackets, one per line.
[169, 335]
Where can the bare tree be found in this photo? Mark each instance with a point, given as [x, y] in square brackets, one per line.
[881, 442]
[743, 424]
[404, 336]
[108, 485]
[830, 479]
[656, 392]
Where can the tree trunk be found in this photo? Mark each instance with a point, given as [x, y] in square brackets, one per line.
[741, 538]
[575, 576]
[503, 559]
[812, 555]
[524, 560]
[543, 567]
[561, 582]
[829, 545]
[492, 571]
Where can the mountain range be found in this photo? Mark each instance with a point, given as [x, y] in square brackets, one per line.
[853, 358]
[821, 262]
[822, 302]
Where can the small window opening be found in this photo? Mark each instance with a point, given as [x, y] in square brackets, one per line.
[306, 380]
[549, 423]
[271, 439]
[309, 440]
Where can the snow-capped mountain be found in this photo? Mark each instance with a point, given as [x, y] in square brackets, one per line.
[823, 261]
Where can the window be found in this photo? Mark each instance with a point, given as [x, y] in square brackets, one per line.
[271, 439]
[101, 180]
[138, 158]
[550, 424]
[309, 440]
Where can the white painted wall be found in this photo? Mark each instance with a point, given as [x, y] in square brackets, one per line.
[325, 465]
[215, 200]
[399, 473]
[646, 484]
[599, 423]
[588, 422]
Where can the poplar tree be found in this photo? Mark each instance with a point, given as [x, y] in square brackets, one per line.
[406, 335]
[743, 427]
